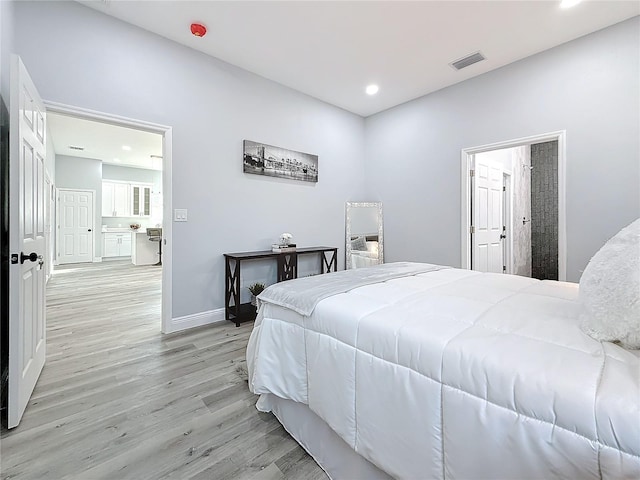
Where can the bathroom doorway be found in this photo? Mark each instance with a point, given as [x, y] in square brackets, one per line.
[513, 218]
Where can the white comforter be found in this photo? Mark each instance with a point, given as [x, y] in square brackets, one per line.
[362, 259]
[457, 374]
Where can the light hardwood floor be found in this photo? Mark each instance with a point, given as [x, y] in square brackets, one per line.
[117, 399]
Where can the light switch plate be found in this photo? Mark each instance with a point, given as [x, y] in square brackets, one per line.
[180, 215]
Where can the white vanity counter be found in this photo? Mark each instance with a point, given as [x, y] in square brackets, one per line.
[143, 251]
[116, 242]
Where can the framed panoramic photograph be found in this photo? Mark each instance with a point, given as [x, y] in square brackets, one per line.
[262, 159]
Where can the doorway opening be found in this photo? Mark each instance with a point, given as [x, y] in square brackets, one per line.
[111, 218]
[513, 207]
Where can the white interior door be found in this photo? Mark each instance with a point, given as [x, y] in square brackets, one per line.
[487, 254]
[26, 241]
[75, 226]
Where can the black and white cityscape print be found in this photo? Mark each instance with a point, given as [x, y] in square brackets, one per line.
[263, 159]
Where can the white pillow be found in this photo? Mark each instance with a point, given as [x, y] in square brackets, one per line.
[358, 243]
[610, 290]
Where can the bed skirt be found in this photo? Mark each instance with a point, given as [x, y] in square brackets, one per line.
[329, 451]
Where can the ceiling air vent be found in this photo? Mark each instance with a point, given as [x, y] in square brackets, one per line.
[468, 60]
[73, 147]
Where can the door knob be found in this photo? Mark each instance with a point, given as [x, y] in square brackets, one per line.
[88, 230]
[32, 257]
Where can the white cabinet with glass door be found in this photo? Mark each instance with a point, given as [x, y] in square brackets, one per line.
[140, 200]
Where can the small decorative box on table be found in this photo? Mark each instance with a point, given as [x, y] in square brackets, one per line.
[287, 269]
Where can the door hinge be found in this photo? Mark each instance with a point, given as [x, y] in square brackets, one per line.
[472, 173]
[504, 189]
[472, 230]
[504, 269]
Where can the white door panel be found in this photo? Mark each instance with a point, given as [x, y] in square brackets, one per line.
[121, 200]
[27, 241]
[487, 253]
[107, 199]
[76, 232]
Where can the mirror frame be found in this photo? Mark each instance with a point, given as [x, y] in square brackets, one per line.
[349, 207]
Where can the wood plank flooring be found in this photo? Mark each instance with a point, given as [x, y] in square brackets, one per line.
[118, 400]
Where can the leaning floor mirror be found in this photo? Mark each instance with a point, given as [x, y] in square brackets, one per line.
[364, 243]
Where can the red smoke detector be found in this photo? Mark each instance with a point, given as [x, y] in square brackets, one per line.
[198, 29]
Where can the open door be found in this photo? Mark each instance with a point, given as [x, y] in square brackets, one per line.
[26, 241]
[487, 217]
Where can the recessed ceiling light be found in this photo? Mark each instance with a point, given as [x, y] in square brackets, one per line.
[372, 89]
[569, 3]
[126, 148]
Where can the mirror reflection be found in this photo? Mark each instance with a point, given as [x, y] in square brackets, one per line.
[364, 242]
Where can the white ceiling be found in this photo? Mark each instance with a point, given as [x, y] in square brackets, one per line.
[332, 49]
[102, 141]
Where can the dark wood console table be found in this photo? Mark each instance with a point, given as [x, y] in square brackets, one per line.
[287, 269]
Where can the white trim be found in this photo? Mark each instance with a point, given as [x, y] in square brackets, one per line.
[131, 182]
[167, 229]
[93, 219]
[88, 114]
[97, 259]
[196, 320]
[466, 161]
[508, 206]
[167, 218]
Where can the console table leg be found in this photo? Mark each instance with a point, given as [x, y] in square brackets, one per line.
[227, 289]
[237, 292]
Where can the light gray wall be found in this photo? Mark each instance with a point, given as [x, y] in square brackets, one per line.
[364, 220]
[212, 106]
[590, 87]
[129, 174]
[6, 47]
[83, 174]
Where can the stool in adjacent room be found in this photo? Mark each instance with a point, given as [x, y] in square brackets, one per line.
[155, 235]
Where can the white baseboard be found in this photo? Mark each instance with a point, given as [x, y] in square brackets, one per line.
[97, 259]
[196, 320]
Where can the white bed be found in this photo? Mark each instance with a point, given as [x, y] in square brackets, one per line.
[448, 374]
[367, 257]
[361, 259]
